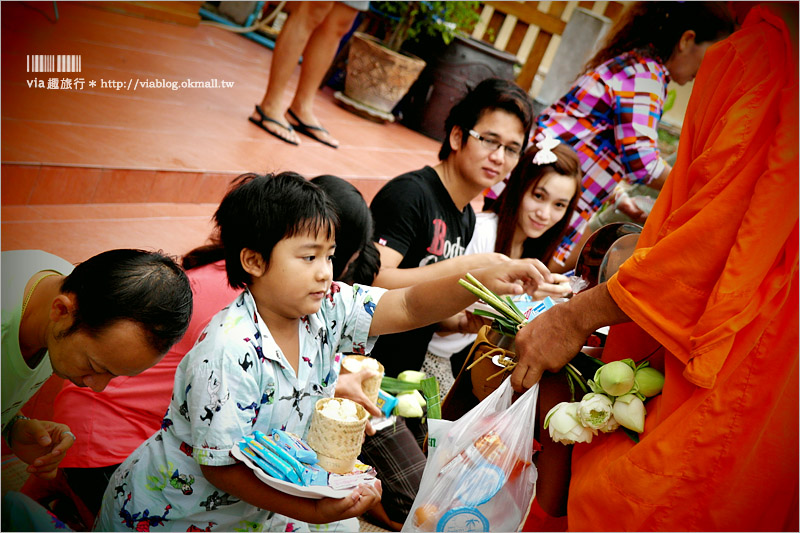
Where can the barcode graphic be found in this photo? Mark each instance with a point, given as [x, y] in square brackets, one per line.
[54, 63]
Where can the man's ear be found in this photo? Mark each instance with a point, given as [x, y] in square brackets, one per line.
[252, 262]
[62, 307]
[687, 38]
[456, 138]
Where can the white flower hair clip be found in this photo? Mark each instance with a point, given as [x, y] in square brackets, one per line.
[545, 155]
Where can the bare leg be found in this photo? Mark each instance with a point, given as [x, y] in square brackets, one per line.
[294, 36]
[317, 57]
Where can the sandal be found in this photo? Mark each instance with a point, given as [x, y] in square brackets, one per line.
[308, 130]
[265, 118]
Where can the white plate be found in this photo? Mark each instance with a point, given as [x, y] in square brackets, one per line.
[313, 492]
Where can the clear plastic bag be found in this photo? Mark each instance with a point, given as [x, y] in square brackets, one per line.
[480, 476]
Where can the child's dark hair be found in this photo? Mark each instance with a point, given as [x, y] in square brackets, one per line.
[147, 288]
[354, 234]
[490, 94]
[258, 211]
[652, 29]
[525, 175]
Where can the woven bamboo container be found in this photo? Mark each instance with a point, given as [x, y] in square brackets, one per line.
[337, 443]
[372, 385]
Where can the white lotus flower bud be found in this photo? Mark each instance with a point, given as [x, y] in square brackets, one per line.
[629, 411]
[565, 426]
[594, 410]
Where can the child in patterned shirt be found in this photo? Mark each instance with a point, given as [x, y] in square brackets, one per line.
[264, 361]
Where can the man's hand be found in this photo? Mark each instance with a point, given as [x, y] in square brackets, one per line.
[548, 342]
[41, 444]
[553, 338]
[349, 386]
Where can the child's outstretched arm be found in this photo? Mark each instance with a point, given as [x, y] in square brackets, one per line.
[434, 300]
[239, 481]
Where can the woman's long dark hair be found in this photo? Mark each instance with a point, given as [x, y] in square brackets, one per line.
[652, 29]
[525, 175]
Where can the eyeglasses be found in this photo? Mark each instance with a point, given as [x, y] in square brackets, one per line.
[510, 152]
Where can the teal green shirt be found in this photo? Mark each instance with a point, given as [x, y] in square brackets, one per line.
[19, 381]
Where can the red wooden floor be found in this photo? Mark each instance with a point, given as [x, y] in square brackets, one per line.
[84, 170]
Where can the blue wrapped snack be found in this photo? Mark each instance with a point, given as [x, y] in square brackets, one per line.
[287, 472]
[294, 446]
[262, 464]
[306, 473]
[386, 402]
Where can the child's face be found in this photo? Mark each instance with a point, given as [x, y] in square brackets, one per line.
[298, 277]
[545, 203]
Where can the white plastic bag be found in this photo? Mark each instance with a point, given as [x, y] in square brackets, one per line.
[480, 476]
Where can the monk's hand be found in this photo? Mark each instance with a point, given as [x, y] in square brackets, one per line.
[41, 444]
[547, 343]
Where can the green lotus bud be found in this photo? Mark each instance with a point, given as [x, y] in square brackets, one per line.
[615, 378]
[417, 396]
[408, 406]
[649, 381]
[411, 376]
[629, 411]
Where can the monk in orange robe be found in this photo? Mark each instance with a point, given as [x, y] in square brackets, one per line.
[714, 283]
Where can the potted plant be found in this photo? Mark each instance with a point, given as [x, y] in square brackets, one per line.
[378, 73]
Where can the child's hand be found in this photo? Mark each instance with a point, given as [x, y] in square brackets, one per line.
[349, 386]
[515, 276]
[357, 503]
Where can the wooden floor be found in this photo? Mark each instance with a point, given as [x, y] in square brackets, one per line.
[98, 167]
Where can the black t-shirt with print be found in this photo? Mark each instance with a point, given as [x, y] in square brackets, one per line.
[415, 216]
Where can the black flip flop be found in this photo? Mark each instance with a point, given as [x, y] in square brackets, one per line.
[308, 130]
[264, 117]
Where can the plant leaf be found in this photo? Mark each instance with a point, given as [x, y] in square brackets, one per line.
[632, 434]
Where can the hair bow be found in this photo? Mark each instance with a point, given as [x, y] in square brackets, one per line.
[545, 155]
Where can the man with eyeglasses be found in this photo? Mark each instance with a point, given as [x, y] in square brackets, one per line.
[423, 218]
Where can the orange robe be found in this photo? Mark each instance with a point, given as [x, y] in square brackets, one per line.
[714, 280]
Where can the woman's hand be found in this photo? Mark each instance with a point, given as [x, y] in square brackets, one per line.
[357, 503]
[41, 444]
[560, 288]
[515, 276]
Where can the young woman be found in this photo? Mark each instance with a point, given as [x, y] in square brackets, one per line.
[527, 220]
[610, 116]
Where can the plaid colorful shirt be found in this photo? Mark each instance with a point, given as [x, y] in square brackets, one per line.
[610, 118]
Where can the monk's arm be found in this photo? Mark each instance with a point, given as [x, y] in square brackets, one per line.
[551, 340]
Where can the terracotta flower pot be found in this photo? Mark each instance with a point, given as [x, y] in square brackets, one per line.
[377, 76]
